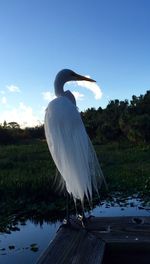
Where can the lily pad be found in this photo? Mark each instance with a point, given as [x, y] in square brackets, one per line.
[11, 247]
[34, 247]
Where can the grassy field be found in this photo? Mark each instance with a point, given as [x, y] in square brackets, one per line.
[26, 170]
[27, 175]
[126, 167]
[29, 171]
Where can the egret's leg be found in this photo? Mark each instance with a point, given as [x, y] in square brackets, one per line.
[76, 209]
[83, 213]
[81, 217]
[67, 207]
[67, 219]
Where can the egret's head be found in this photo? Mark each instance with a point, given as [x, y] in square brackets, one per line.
[67, 75]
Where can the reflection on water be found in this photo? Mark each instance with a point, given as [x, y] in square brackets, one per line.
[122, 207]
[18, 247]
[26, 245]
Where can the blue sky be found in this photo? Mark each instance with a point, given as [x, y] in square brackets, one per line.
[108, 40]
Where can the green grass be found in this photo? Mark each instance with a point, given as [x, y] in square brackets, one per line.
[28, 170]
[27, 175]
[126, 167]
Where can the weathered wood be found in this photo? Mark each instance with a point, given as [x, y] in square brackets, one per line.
[127, 253]
[73, 246]
[121, 229]
[76, 245]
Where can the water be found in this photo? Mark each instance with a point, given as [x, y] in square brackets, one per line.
[125, 207]
[28, 235]
[26, 245]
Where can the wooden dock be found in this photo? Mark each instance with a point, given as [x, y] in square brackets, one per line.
[121, 239]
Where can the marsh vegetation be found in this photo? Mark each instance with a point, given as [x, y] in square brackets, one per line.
[27, 174]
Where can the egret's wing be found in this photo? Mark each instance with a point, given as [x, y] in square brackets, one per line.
[71, 148]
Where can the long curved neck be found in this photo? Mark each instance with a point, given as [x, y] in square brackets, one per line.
[59, 91]
[59, 87]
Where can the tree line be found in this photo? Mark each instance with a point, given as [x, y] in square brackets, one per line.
[120, 120]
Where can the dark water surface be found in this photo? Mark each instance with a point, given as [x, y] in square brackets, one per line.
[25, 245]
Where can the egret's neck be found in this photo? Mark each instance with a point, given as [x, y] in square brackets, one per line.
[59, 90]
[59, 87]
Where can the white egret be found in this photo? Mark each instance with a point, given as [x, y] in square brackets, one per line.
[68, 142]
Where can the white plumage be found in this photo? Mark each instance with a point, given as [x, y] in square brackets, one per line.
[68, 142]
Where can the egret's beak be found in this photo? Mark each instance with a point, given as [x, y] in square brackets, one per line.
[83, 78]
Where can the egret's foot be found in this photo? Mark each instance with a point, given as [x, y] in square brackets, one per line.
[67, 222]
[82, 220]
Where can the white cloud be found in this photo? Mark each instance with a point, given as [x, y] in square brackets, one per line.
[23, 115]
[77, 95]
[4, 100]
[13, 88]
[92, 86]
[2, 92]
[48, 96]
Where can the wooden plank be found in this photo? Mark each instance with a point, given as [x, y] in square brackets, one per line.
[73, 246]
[89, 250]
[98, 223]
[124, 253]
[76, 245]
[121, 229]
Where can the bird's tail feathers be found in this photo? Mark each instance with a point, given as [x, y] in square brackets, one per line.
[59, 184]
[97, 175]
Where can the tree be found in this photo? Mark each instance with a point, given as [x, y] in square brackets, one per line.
[13, 125]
